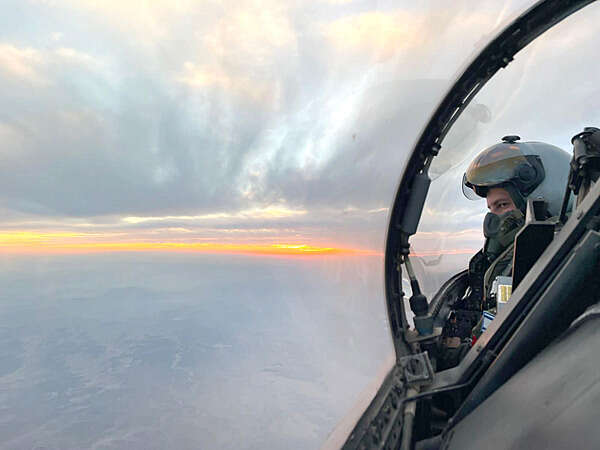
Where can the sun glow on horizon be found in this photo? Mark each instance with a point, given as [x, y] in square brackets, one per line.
[31, 242]
[63, 242]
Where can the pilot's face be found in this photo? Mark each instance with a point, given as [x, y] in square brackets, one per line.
[499, 201]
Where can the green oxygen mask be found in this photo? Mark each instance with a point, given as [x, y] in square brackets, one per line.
[500, 231]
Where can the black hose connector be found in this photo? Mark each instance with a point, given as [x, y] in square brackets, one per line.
[420, 307]
[418, 304]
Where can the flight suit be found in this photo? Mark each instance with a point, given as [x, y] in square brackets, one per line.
[466, 319]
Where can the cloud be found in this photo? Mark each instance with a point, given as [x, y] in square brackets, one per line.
[352, 140]
[271, 212]
[183, 113]
[411, 36]
[379, 33]
[37, 66]
[72, 56]
[253, 89]
[140, 16]
[253, 29]
[243, 53]
[21, 63]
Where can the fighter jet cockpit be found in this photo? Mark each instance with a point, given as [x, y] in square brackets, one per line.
[492, 251]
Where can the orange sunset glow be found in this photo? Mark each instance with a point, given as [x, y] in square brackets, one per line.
[64, 242]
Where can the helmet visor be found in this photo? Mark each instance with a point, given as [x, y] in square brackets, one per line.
[496, 165]
[468, 190]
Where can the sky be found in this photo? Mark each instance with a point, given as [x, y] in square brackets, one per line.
[249, 126]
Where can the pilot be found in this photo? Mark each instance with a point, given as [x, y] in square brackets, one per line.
[506, 175]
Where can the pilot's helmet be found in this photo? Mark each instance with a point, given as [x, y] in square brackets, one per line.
[524, 169]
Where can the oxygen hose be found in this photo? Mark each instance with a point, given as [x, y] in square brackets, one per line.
[418, 302]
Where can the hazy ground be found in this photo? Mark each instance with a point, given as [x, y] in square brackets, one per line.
[148, 351]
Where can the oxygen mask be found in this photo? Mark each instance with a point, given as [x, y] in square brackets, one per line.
[500, 231]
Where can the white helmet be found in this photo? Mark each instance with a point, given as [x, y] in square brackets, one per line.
[524, 169]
